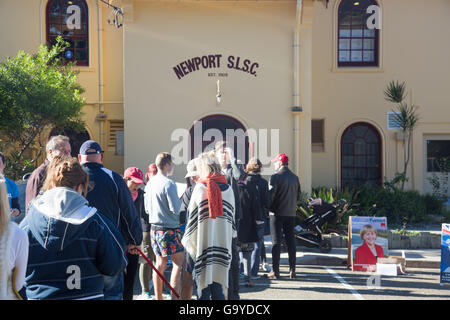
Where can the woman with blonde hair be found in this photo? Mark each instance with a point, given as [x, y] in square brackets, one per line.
[367, 254]
[210, 229]
[71, 244]
[13, 251]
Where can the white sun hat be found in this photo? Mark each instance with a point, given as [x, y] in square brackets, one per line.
[191, 169]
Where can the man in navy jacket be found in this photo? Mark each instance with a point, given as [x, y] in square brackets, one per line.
[110, 195]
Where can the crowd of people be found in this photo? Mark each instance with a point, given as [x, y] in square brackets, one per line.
[89, 232]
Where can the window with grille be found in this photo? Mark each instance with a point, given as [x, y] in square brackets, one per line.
[116, 136]
[318, 135]
[69, 19]
[360, 156]
[357, 44]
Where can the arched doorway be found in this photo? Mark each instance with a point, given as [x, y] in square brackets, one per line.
[211, 129]
[76, 138]
[360, 156]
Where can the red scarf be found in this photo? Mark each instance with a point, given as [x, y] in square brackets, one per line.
[214, 194]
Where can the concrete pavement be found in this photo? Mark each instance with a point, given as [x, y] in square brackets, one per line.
[323, 276]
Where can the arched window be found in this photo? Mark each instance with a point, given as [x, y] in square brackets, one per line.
[358, 45]
[69, 19]
[360, 156]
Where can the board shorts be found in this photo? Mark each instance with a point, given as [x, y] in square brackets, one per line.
[166, 242]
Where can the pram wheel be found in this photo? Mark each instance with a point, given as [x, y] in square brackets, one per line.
[325, 246]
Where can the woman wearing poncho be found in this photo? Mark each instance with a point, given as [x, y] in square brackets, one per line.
[210, 229]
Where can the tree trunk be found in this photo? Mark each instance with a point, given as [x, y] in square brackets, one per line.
[405, 162]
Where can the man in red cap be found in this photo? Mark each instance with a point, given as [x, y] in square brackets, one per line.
[285, 192]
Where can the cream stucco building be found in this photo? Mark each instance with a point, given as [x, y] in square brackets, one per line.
[301, 77]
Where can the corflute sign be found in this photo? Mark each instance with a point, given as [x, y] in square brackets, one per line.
[213, 61]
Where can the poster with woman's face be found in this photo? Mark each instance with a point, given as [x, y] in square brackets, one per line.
[369, 241]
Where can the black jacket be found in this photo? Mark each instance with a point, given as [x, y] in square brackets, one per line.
[111, 196]
[251, 211]
[262, 187]
[235, 173]
[185, 199]
[140, 208]
[285, 192]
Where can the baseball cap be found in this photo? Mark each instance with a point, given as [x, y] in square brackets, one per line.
[191, 169]
[134, 174]
[90, 144]
[281, 157]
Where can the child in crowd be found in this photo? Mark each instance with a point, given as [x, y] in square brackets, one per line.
[71, 244]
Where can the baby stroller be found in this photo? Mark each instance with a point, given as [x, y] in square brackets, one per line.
[309, 232]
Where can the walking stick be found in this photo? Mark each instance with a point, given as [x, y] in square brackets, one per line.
[158, 273]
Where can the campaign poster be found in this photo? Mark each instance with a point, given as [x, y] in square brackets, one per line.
[445, 254]
[369, 241]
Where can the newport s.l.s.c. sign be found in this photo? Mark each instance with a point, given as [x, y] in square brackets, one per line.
[214, 61]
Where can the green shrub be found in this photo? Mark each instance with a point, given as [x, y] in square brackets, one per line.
[410, 206]
[433, 205]
[400, 207]
[397, 205]
[446, 214]
[406, 232]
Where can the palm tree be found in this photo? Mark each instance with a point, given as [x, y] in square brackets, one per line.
[406, 118]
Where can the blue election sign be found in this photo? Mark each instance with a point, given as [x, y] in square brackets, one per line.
[445, 254]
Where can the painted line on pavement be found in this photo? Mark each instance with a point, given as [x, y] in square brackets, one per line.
[289, 286]
[344, 283]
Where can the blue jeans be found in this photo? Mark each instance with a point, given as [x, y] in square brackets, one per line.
[212, 292]
[113, 287]
[245, 259]
[256, 254]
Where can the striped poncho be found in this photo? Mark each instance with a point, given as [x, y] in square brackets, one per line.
[208, 241]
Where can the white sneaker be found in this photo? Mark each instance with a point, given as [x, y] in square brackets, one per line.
[167, 296]
[266, 267]
[145, 296]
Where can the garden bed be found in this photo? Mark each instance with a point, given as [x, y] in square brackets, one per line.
[403, 239]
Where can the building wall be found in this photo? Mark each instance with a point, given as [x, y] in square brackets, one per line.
[161, 35]
[102, 79]
[135, 64]
[411, 51]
